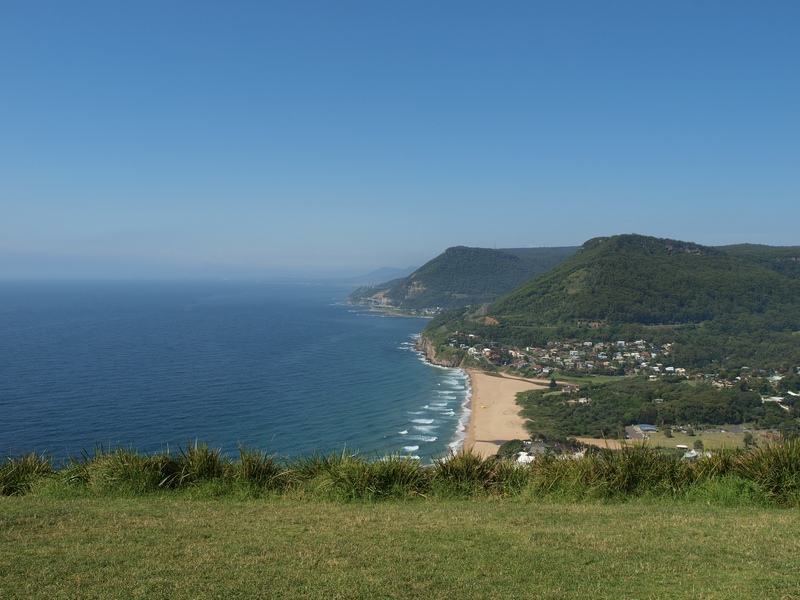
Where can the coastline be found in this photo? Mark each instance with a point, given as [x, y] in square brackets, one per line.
[494, 413]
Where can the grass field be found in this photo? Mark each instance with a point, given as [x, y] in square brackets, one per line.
[711, 441]
[181, 545]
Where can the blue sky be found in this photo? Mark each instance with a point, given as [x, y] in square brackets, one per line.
[248, 139]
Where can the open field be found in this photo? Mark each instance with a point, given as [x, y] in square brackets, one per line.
[179, 546]
[711, 441]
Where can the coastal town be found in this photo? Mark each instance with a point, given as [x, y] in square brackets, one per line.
[600, 358]
[620, 358]
[575, 364]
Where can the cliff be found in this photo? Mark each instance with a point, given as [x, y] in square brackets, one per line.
[440, 358]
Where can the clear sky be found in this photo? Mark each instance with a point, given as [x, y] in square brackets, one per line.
[184, 139]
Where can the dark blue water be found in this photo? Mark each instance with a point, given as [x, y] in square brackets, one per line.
[288, 368]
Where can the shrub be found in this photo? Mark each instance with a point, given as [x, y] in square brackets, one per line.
[256, 468]
[122, 469]
[196, 463]
[775, 468]
[463, 473]
[18, 474]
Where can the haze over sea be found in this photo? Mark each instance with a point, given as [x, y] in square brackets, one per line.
[285, 367]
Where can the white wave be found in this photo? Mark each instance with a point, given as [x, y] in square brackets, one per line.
[422, 421]
[404, 432]
[410, 448]
[425, 428]
[422, 438]
[389, 457]
[430, 364]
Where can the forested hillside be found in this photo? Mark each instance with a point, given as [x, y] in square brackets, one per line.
[650, 281]
[784, 260]
[463, 276]
[736, 305]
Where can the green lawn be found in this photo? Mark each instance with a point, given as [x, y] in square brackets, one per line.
[176, 546]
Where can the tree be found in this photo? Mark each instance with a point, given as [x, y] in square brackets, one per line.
[510, 449]
[698, 445]
[553, 383]
[749, 440]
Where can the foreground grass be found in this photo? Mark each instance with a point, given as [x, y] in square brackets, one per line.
[179, 545]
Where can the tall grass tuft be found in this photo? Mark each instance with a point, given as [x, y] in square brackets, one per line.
[510, 478]
[463, 473]
[720, 463]
[393, 477]
[613, 474]
[128, 471]
[121, 469]
[350, 476]
[775, 469]
[256, 469]
[197, 463]
[640, 470]
[19, 474]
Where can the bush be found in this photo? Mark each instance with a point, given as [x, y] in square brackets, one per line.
[256, 468]
[18, 474]
[775, 469]
[463, 473]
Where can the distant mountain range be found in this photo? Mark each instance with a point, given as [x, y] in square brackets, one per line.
[461, 276]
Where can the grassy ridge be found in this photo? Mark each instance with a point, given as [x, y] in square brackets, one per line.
[769, 475]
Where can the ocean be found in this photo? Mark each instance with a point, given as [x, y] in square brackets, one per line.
[287, 368]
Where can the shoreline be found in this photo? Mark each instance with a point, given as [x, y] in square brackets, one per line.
[494, 413]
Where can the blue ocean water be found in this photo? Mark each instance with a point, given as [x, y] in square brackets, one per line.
[285, 367]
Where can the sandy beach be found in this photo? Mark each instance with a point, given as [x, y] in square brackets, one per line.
[495, 414]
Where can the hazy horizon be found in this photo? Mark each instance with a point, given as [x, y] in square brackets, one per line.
[311, 139]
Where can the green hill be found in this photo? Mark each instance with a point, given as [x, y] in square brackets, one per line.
[462, 276]
[649, 281]
[737, 304]
[785, 260]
